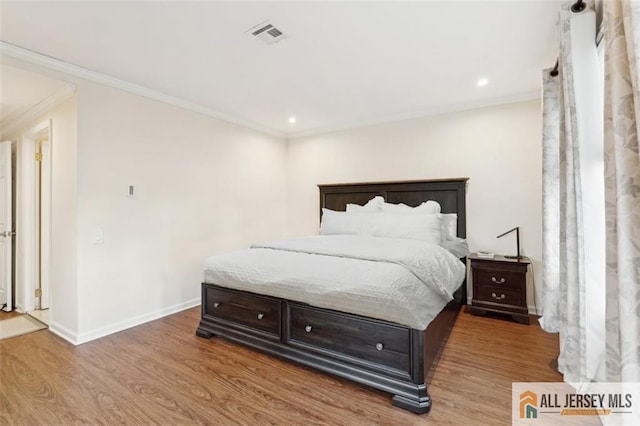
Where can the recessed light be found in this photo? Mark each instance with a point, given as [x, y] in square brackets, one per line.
[292, 120]
[482, 82]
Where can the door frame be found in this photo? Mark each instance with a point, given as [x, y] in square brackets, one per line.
[31, 271]
[8, 242]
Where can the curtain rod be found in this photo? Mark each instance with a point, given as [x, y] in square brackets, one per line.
[577, 7]
[554, 71]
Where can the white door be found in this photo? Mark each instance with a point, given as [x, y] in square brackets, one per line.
[6, 226]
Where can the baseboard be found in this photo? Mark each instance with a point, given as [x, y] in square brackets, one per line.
[80, 338]
[63, 332]
[132, 322]
[535, 310]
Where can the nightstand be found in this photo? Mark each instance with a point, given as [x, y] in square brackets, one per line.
[500, 286]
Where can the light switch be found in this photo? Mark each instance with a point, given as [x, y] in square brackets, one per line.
[132, 191]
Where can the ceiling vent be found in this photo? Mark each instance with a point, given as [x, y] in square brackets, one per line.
[267, 32]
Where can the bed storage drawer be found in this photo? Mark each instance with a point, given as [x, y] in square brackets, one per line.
[259, 312]
[372, 342]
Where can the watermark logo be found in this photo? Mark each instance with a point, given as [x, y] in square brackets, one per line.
[528, 405]
[555, 403]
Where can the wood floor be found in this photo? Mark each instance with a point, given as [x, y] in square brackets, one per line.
[162, 373]
[7, 315]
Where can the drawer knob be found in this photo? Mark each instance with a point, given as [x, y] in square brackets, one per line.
[379, 346]
[216, 304]
[502, 296]
[496, 281]
[260, 315]
[308, 328]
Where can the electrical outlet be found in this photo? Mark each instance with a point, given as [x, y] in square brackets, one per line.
[98, 236]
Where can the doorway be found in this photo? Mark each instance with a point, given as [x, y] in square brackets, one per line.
[33, 227]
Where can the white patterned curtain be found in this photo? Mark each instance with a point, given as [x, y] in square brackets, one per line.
[622, 189]
[554, 314]
[572, 304]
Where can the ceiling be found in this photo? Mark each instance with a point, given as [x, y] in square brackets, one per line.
[343, 64]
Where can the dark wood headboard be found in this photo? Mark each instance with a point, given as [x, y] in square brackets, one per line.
[450, 193]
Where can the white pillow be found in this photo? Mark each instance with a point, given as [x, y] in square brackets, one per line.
[425, 227]
[373, 205]
[432, 207]
[428, 207]
[396, 208]
[345, 223]
[449, 227]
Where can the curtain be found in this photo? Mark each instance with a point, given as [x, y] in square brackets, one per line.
[622, 189]
[563, 254]
[554, 315]
[572, 275]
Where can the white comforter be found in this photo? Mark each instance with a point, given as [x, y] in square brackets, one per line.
[398, 280]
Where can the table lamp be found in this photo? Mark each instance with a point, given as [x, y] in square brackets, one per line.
[517, 229]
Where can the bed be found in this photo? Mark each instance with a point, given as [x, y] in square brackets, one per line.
[380, 353]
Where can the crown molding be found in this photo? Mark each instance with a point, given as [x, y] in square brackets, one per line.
[48, 62]
[57, 65]
[15, 123]
[444, 109]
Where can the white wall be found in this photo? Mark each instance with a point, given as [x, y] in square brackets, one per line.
[64, 220]
[498, 148]
[203, 186]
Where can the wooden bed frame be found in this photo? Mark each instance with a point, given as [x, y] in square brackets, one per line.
[386, 356]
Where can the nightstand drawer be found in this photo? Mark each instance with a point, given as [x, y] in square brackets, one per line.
[496, 277]
[497, 294]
